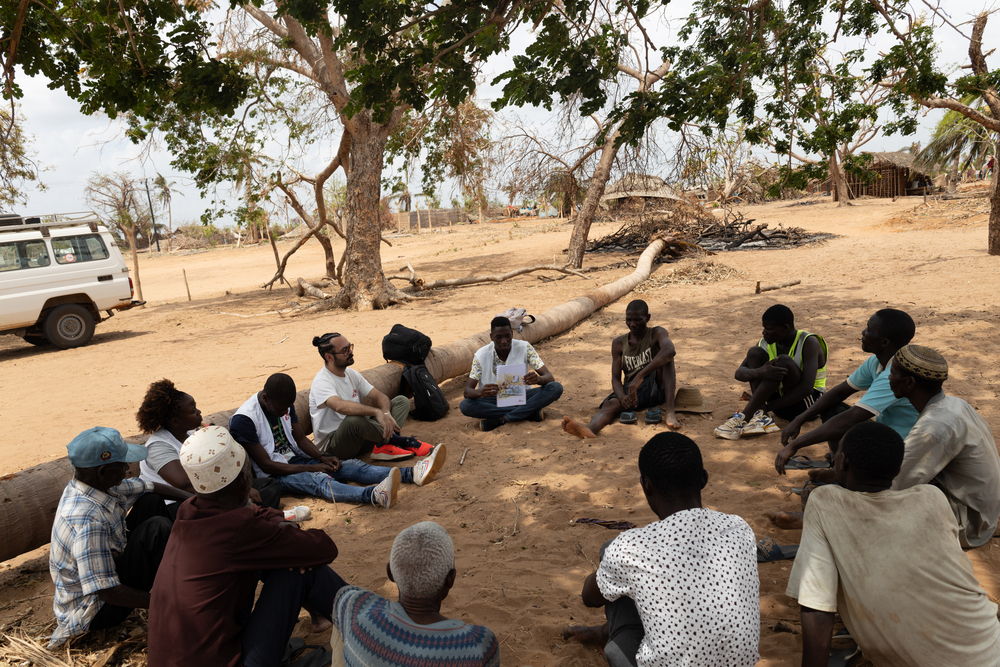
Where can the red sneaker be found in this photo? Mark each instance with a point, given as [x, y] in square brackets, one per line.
[390, 453]
[424, 449]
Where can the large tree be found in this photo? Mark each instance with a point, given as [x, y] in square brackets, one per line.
[16, 165]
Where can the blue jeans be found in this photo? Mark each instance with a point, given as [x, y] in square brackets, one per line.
[332, 487]
[537, 398]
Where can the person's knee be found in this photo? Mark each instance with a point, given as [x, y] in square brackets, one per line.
[399, 402]
[466, 407]
[786, 362]
[756, 357]
[554, 389]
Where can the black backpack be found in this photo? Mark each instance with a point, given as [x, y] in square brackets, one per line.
[406, 345]
[429, 403]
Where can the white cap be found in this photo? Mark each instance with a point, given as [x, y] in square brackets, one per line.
[212, 459]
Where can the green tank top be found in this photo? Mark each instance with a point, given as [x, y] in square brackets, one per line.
[795, 352]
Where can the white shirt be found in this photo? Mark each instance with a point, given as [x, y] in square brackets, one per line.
[161, 448]
[352, 387]
[891, 565]
[693, 578]
[952, 448]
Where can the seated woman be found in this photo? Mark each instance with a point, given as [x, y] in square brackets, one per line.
[168, 415]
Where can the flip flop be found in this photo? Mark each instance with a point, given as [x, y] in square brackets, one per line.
[628, 417]
[769, 551]
[607, 523]
[654, 415]
[803, 462]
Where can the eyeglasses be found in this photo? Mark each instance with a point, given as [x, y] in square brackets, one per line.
[346, 350]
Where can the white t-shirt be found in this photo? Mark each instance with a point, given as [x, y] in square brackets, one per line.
[891, 565]
[352, 387]
[693, 578]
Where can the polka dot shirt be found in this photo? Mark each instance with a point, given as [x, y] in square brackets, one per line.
[693, 578]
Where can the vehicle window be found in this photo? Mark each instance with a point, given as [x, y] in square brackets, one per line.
[72, 249]
[23, 255]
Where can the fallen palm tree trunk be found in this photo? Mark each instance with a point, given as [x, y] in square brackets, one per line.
[417, 283]
[29, 497]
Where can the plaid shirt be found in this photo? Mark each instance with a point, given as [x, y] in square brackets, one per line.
[88, 532]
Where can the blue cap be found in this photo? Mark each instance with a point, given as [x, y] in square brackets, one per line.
[102, 445]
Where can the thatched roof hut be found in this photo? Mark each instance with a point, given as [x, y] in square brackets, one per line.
[637, 188]
[891, 174]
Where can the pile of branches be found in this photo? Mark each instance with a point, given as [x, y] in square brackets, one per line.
[695, 227]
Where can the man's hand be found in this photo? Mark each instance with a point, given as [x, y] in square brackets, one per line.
[781, 459]
[632, 394]
[332, 461]
[323, 467]
[531, 377]
[771, 371]
[488, 390]
[389, 426]
[791, 430]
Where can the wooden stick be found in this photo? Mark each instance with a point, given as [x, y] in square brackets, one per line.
[184, 271]
[768, 288]
[461, 461]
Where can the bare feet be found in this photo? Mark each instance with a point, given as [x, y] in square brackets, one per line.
[574, 427]
[591, 635]
[786, 520]
[319, 623]
[673, 423]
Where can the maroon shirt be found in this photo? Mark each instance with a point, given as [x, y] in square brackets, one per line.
[204, 589]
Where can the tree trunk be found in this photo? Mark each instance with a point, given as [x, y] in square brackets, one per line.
[581, 226]
[364, 284]
[170, 224]
[993, 245]
[134, 251]
[329, 260]
[841, 193]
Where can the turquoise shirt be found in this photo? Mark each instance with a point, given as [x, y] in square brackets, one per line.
[896, 413]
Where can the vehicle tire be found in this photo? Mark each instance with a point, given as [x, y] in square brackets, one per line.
[35, 339]
[69, 325]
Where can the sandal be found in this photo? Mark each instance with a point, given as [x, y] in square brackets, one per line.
[654, 415]
[803, 462]
[628, 417]
[769, 551]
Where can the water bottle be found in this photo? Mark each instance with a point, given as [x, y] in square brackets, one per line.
[297, 514]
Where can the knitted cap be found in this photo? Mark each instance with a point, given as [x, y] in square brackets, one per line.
[922, 362]
[212, 459]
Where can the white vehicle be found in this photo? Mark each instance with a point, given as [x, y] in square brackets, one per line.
[58, 273]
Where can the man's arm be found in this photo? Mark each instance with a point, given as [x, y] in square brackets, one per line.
[245, 433]
[828, 400]
[308, 448]
[817, 629]
[541, 376]
[591, 593]
[174, 475]
[930, 447]
[171, 492]
[381, 403]
[616, 370]
[810, 366]
[831, 431]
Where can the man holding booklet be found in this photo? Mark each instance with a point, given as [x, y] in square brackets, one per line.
[497, 392]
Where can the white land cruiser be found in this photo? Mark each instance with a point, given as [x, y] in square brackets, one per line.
[58, 274]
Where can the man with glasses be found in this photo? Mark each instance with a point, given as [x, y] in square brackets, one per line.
[350, 417]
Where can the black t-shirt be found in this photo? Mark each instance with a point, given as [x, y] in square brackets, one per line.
[244, 432]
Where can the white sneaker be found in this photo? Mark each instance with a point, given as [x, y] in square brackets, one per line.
[384, 495]
[425, 470]
[732, 428]
[760, 423]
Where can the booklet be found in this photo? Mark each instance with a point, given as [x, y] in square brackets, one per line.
[510, 380]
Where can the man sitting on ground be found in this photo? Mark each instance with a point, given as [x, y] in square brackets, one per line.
[202, 610]
[645, 356]
[890, 564]
[887, 331]
[950, 446]
[267, 427]
[101, 563]
[682, 590]
[350, 417]
[786, 371]
[481, 389]
[411, 632]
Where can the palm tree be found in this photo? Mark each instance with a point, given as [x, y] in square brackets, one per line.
[164, 194]
[959, 142]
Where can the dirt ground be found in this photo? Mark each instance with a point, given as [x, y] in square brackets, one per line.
[509, 507]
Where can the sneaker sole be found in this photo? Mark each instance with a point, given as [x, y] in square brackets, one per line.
[439, 460]
[390, 457]
[727, 436]
[753, 431]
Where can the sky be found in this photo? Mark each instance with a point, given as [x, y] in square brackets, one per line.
[70, 146]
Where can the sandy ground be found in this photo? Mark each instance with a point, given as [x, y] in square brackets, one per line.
[509, 508]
